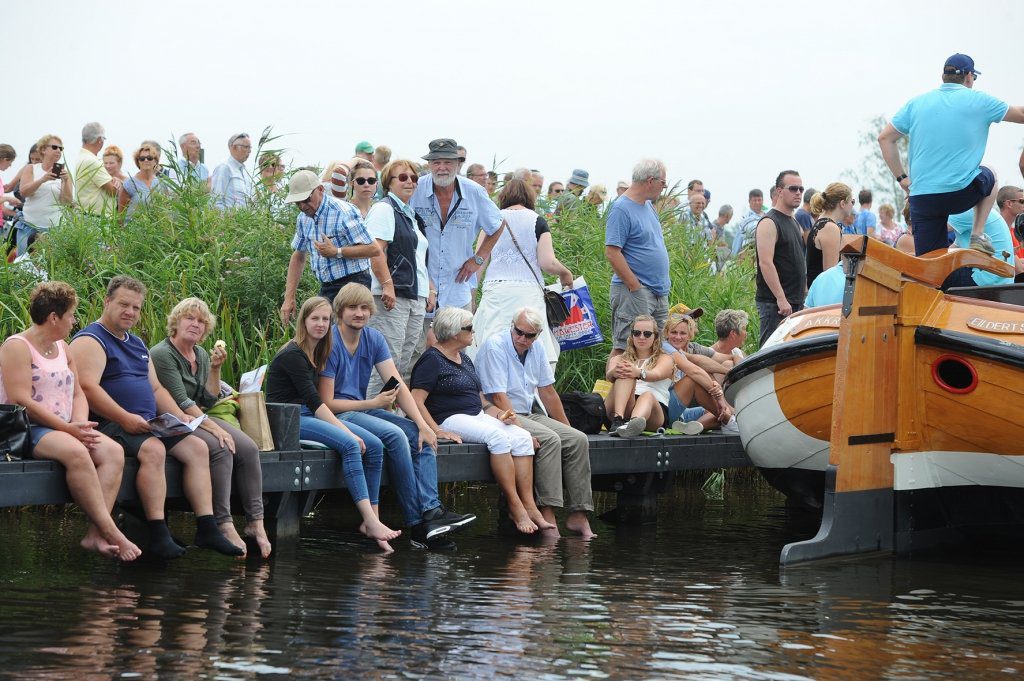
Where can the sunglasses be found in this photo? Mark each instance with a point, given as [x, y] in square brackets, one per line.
[406, 177]
[468, 328]
[524, 334]
[557, 191]
[795, 188]
[366, 180]
[646, 334]
[56, 147]
[147, 158]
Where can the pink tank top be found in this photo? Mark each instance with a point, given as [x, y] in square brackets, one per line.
[53, 382]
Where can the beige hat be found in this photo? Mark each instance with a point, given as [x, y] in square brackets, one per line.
[302, 185]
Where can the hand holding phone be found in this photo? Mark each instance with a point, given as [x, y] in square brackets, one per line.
[389, 386]
[58, 168]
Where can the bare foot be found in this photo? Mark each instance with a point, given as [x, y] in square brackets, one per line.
[379, 532]
[126, 550]
[522, 520]
[231, 534]
[577, 522]
[538, 519]
[258, 533]
[93, 541]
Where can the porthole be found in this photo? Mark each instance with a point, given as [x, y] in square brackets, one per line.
[954, 374]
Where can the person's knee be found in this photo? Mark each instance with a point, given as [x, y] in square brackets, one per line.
[152, 453]
[109, 452]
[498, 442]
[192, 451]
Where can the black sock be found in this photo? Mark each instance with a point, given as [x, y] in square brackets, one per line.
[208, 536]
[161, 544]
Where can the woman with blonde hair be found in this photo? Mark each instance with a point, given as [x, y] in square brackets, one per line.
[888, 231]
[136, 190]
[596, 196]
[192, 377]
[690, 381]
[46, 186]
[113, 159]
[832, 206]
[641, 377]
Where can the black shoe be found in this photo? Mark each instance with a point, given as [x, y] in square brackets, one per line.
[617, 422]
[423, 533]
[443, 515]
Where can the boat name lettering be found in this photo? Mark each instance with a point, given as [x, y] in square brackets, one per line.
[830, 321]
[993, 326]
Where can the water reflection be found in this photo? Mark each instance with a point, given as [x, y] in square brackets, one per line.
[699, 595]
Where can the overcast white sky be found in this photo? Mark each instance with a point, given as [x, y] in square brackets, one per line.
[730, 92]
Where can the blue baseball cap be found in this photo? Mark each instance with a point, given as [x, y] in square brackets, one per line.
[960, 64]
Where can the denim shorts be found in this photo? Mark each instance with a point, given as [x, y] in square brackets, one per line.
[36, 433]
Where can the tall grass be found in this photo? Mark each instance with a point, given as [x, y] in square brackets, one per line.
[179, 245]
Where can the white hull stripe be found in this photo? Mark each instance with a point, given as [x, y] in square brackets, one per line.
[930, 470]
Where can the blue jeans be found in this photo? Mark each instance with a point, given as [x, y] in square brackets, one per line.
[26, 234]
[362, 473]
[400, 438]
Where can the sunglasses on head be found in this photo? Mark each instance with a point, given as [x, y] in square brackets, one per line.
[366, 180]
[646, 334]
[524, 334]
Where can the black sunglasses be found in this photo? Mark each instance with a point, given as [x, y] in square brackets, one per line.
[366, 180]
[795, 188]
[147, 158]
[524, 334]
[468, 328]
[646, 334]
[56, 147]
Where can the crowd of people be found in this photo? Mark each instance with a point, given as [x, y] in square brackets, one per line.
[396, 352]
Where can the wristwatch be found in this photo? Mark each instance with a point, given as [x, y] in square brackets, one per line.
[901, 178]
[643, 374]
[478, 260]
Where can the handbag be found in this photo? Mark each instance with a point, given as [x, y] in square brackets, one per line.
[581, 329]
[252, 417]
[15, 443]
[554, 305]
[584, 411]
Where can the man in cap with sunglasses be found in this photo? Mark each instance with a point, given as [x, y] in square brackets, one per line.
[948, 131]
[333, 234]
[512, 368]
[781, 264]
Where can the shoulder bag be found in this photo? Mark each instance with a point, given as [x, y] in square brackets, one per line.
[554, 304]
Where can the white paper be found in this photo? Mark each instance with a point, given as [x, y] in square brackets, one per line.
[166, 425]
[252, 381]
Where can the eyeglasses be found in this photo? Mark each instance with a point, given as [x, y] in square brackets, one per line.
[366, 180]
[462, 159]
[407, 177]
[557, 191]
[147, 158]
[477, 175]
[646, 334]
[524, 334]
[1020, 201]
[468, 328]
[56, 147]
[795, 188]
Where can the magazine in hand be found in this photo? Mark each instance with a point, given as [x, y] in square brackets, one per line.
[167, 425]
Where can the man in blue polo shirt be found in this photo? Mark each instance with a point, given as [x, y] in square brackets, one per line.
[635, 248]
[408, 443]
[512, 368]
[948, 131]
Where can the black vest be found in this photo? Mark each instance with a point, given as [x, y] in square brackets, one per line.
[789, 260]
[401, 253]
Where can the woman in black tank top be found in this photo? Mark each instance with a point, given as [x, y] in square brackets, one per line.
[823, 241]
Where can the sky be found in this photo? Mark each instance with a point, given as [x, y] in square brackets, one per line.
[730, 92]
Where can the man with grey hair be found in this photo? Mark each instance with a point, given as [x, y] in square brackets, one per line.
[477, 173]
[190, 165]
[536, 182]
[731, 330]
[231, 183]
[635, 248]
[512, 367]
[96, 189]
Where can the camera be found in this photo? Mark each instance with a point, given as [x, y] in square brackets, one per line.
[58, 168]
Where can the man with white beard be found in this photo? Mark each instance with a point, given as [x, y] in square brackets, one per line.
[454, 209]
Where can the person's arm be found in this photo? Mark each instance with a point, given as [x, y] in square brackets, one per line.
[387, 370]
[291, 284]
[621, 268]
[379, 267]
[91, 360]
[483, 250]
[419, 396]
[28, 186]
[112, 187]
[123, 199]
[766, 238]
[67, 196]
[551, 264]
[164, 402]
[168, 374]
[337, 405]
[1020, 164]
[553, 404]
[663, 369]
[16, 368]
[829, 240]
[708, 364]
[1014, 114]
[887, 141]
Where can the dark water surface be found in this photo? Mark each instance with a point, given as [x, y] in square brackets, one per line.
[699, 595]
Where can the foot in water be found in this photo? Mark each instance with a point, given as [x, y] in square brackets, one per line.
[231, 534]
[117, 547]
[380, 533]
[579, 523]
[255, 532]
[209, 537]
[540, 521]
[521, 519]
[161, 544]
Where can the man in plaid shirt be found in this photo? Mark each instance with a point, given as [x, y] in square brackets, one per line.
[334, 235]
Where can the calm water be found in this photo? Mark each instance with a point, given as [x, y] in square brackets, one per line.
[699, 595]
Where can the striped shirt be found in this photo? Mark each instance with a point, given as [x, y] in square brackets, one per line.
[343, 225]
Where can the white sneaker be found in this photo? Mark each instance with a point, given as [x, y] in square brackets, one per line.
[688, 427]
[731, 427]
[632, 428]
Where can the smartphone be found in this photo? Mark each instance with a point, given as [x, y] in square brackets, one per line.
[58, 168]
[390, 385]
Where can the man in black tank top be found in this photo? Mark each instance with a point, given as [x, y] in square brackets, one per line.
[781, 268]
